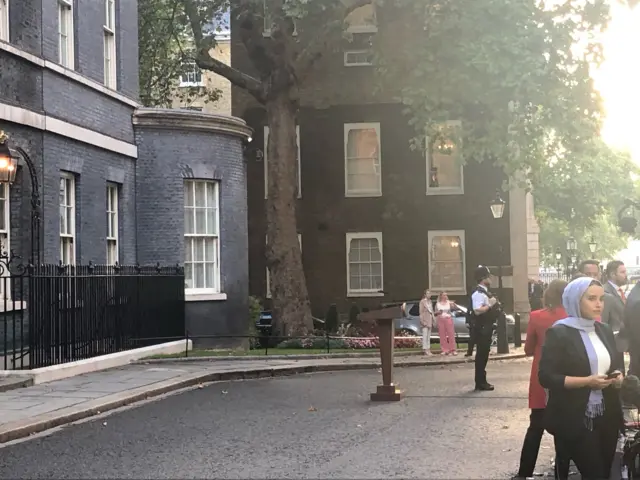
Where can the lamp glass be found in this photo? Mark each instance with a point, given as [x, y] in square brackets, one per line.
[497, 206]
[558, 255]
[593, 246]
[572, 245]
[8, 164]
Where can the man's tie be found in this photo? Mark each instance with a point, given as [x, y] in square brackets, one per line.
[622, 296]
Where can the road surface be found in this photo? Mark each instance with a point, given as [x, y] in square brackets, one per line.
[307, 426]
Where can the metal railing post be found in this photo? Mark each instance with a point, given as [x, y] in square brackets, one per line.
[517, 333]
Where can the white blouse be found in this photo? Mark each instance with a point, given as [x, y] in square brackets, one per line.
[604, 359]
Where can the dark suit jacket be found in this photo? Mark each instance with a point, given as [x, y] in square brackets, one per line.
[564, 355]
[632, 327]
[613, 312]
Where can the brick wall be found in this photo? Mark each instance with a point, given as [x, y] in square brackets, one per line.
[166, 158]
[404, 213]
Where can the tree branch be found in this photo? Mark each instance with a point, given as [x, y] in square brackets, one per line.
[308, 57]
[205, 61]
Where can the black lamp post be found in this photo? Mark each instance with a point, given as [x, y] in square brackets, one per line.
[10, 159]
[593, 246]
[497, 210]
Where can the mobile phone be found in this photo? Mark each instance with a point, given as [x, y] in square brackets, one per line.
[613, 375]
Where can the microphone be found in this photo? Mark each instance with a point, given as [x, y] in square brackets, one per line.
[630, 391]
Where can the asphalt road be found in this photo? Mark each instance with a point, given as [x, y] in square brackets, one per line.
[308, 426]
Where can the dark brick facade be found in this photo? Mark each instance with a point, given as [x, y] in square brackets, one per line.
[167, 156]
[150, 187]
[333, 96]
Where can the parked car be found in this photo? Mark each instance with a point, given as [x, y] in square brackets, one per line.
[409, 323]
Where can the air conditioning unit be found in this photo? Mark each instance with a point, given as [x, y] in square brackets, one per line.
[358, 58]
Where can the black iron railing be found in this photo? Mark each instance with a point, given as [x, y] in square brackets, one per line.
[56, 314]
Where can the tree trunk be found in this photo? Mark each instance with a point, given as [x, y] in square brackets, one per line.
[291, 307]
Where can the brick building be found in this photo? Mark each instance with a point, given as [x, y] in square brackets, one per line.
[378, 221]
[119, 183]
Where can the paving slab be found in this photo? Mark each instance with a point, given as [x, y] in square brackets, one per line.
[38, 408]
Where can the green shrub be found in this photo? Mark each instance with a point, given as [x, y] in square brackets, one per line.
[354, 311]
[315, 343]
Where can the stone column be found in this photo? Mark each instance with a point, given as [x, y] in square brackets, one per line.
[519, 250]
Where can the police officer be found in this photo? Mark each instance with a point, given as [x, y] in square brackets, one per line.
[484, 312]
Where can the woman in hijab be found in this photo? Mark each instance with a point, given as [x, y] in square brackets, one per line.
[581, 369]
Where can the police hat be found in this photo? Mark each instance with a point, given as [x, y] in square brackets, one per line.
[481, 273]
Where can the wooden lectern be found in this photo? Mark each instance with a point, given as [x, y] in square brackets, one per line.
[387, 392]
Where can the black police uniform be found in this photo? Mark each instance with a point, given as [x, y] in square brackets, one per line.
[483, 332]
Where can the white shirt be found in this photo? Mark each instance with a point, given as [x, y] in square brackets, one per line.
[480, 299]
[604, 359]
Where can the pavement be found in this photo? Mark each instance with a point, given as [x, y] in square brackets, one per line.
[320, 425]
[30, 410]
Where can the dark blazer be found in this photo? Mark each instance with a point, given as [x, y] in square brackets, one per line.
[564, 355]
[613, 312]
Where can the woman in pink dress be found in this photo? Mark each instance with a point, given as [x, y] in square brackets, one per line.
[446, 331]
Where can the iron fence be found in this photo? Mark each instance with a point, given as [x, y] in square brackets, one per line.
[53, 314]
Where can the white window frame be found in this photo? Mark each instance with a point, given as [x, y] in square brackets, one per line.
[265, 157]
[444, 190]
[188, 83]
[113, 242]
[217, 287]
[268, 277]
[66, 238]
[65, 17]
[448, 233]
[110, 61]
[357, 64]
[364, 235]
[361, 126]
[365, 28]
[4, 21]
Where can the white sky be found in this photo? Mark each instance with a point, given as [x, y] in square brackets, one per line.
[618, 80]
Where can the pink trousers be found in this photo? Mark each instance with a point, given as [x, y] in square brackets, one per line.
[447, 334]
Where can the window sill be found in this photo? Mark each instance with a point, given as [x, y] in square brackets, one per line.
[364, 294]
[444, 191]
[362, 195]
[11, 306]
[189, 84]
[205, 297]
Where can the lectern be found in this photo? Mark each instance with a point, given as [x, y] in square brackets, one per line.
[387, 392]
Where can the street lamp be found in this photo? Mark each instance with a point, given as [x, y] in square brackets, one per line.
[572, 245]
[8, 163]
[558, 254]
[497, 206]
[9, 158]
[497, 210]
[593, 246]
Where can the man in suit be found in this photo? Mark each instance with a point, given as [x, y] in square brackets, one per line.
[632, 328]
[614, 297]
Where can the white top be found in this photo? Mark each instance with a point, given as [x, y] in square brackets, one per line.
[480, 299]
[444, 307]
[604, 359]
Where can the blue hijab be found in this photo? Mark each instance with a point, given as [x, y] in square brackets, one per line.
[571, 298]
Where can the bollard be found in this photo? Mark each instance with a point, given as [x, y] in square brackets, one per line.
[517, 334]
[503, 341]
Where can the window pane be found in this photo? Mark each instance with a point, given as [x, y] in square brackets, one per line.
[209, 274]
[188, 275]
[189, 221]
[200, 200]
[211, 221]
[198, 269]
[188, 249]
[70, 219]
[201, 214]
[63, 220]
[199, 249]
[362, 143]
[188, 194]
[210, 253]
[211, 201]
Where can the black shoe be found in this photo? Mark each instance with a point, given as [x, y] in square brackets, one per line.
[485, 387]
[468, 354]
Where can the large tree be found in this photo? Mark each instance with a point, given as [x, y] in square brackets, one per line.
[516, 72]
[166, 52]
[581, 196]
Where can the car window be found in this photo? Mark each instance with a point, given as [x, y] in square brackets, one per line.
[414, 311]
